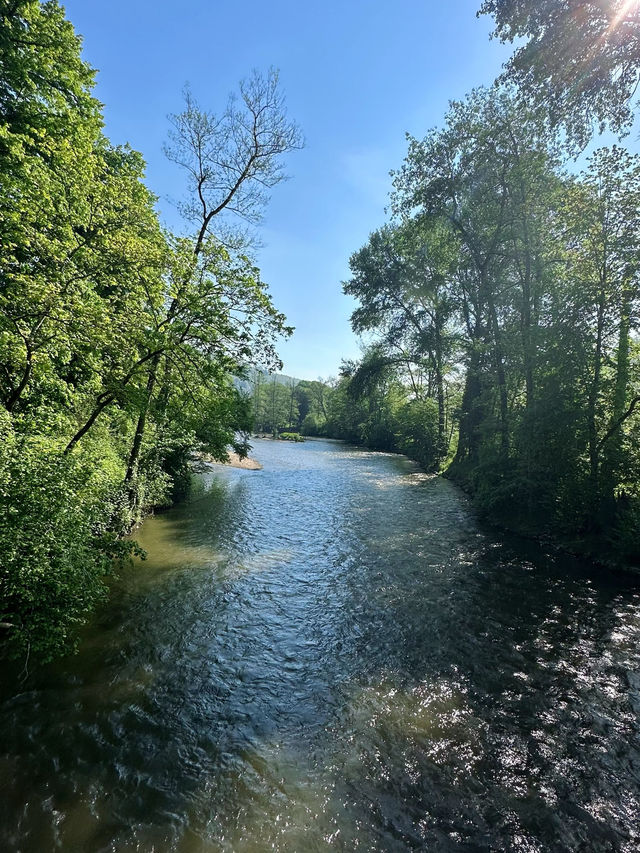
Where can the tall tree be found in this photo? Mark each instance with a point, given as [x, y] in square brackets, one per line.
[400, 279]
[465, 175]
[117, 340]
[231, 161]
[602, 216]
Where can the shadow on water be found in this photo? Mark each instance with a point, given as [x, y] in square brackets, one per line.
[331, 654]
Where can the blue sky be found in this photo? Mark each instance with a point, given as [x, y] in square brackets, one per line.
[357, 76]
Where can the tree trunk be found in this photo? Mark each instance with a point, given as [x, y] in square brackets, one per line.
[93, 417]
[470, 414]
[26, 375]
[592, 428]
[106, 398]
[527, 348]
[613, 462]
[501, 378]
[134, 455]
[440, 385]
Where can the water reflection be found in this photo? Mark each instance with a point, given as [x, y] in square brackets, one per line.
[330, 654]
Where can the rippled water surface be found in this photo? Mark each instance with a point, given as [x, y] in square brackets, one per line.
[330, 654]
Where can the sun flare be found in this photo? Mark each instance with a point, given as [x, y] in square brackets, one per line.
[625, 9]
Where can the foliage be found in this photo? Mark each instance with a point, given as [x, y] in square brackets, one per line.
[56, 543]
[274, 403]
[402, 280]
[417, 432]
[371, 406]
[580, 58]
[118, 341]
[502, 308]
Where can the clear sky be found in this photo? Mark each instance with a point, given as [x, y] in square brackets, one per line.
[358, 75]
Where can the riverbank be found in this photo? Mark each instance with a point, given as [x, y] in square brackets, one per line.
[594, 549]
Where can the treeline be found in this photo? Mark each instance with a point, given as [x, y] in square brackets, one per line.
[118, 340]
[500, 303]
[284, 404]
[383, 414]
[503, 300]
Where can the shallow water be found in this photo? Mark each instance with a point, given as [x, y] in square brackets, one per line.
[331, 654]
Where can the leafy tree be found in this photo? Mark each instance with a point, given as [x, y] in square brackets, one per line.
[117, 341]
[313, 398]
[602, 219]
[580, 59]
[69, 205]
[533, 274]
[400, 280]
[465, 175]
[346, 413]
[274, 404]
[54, 538]
[231, 161]
[417, 432]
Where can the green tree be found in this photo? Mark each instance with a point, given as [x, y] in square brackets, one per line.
[401, 280]
[467, 175]
[580, 58]
[118, 342]
[76, 223]
[313, 398]
[602, 220]
[231, 161]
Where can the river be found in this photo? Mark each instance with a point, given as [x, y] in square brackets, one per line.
[332, 654]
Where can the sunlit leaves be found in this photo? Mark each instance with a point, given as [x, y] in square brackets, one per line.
[580, 58]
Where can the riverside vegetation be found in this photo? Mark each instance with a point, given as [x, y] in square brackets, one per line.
[118, 340]
[499, 306]
[500, 303]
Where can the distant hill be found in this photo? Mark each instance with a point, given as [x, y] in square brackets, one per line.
[246, 385]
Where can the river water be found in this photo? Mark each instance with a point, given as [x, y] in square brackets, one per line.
[332, 654]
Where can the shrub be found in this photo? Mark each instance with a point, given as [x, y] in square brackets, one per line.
[291, 436]
[55, 545]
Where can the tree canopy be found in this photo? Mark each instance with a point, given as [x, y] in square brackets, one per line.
[580, 58]
[501, 309]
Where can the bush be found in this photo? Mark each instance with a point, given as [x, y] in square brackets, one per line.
[291, 436]
[54, 540]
